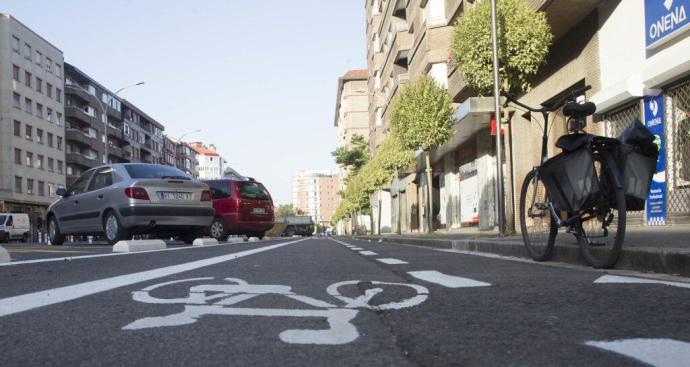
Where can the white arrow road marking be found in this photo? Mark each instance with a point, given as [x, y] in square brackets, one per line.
[631, 280]
[26, 302]
[391, 261]
[657, 352]
[368, 253]
[449, 281]
[356, 248]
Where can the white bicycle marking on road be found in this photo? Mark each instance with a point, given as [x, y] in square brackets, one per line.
[216, 299]
[616, 279]
[391, 261]
[449, 281]
[26, 302]
[657, 352]
[368, 253]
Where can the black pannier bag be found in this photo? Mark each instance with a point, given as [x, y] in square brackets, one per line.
[637, 156]
[571, 180]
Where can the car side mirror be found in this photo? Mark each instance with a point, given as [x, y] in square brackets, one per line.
[61, 192]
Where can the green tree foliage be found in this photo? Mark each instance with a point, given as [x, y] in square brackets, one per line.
[354, 157]
[288, 210]
[524, 37]
[422, 114]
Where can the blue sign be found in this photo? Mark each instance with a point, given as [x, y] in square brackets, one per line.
[665, 19]
[656, 197]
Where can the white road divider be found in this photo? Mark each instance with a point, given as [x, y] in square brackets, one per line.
[4, 255]
[253, 239]
[235, 240]
[205, 242]
[139, 245]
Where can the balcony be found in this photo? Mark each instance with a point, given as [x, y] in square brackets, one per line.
[81, 160]
[72, 90]
[116, 132]
[564, 15]
[116, 151]
[77, 136]
[80, 115]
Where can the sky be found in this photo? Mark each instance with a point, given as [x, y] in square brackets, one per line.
[259, 78]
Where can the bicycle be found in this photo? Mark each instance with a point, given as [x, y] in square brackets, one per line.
[595, 215]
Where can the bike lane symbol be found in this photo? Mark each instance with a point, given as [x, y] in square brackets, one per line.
[220, 299]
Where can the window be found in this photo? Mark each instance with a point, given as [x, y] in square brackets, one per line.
[49, 90]
[50, 140]
[17, 156]
[30, 186]
[58, 94]
[49, 65]
[28, 105]
[51, 190]
[60, 166]
[39, 85]
[59, 119]
[27, 79]
[16, 100]
[27, 51]
[51, 164]
[17, 128]
[102, 178]
[80, 184]
[58, 70]
[15, 44]
[39, 110]
[39, 136]
[17, 184]
[28, 131]
[49, 115]
[41, 188]
[15, 73]
[29, 159]
[59, 143]
[39, 162]
[38, 58]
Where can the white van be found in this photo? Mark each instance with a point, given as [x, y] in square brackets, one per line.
[14, 226]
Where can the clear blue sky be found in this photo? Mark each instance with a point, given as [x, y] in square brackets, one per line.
[258, 77]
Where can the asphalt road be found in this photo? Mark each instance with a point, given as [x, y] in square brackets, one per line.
[317, 302]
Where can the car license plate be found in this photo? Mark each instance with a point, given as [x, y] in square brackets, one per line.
[258, 211]
[175, 195]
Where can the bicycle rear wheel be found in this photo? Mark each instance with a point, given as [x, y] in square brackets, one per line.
[536, 223]
[602, 232]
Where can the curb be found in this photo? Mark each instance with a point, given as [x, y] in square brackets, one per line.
[644, 259]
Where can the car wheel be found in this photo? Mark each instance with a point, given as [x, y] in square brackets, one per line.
[218, 229]
[114, 232]
[56, 238]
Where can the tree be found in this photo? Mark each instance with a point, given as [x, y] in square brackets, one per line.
[354, 157]
[524, 37]
[288, 210]
[421, 118]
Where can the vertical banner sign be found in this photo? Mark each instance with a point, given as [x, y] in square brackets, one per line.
[665, 20]
[656, 197]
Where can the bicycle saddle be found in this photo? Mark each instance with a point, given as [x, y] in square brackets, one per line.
[572, 142]
[579, 109]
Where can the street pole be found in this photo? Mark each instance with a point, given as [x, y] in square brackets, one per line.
[430, 193]
[500, 204]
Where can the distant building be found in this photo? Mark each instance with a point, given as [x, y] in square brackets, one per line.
[32, 133]
[315, 193]
[351, 112]
[179, 154]
[211, 164]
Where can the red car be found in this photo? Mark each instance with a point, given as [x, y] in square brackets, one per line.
[243, 207]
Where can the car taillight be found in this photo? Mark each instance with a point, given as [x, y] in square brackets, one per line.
[206, 195]
[138, 193]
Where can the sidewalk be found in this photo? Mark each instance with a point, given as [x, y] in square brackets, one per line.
[647, 249]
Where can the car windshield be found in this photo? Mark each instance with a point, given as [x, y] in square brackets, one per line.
[3, 218]
[253, 190]
[155, 171]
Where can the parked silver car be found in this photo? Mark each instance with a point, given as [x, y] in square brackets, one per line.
[124, 199]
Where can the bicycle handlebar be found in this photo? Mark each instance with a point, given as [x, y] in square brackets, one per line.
[510, 98]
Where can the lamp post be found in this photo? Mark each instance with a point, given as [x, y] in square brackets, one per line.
[180, 139]
[500, 203]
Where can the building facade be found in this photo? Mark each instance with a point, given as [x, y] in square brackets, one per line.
[32, 133]
[145, 134]
[351, 112]
[210, 164]
[315, 193]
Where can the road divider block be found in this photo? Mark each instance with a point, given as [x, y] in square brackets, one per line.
[4, 255]
[253, 239]
[205, 242]
[235, 240]
[139, 245]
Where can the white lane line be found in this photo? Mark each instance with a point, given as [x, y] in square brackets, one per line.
[656, 352]
[356, 248]
[368, 253]
[391, 261]
[26, 302]
[630, 280]
[449, 281]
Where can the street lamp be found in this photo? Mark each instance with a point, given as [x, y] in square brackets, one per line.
[187, 133]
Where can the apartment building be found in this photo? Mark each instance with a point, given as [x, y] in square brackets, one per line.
[315, 193]
[32, 134]
[144, 134]
[210, 164]
[179, 154]
[351, 112]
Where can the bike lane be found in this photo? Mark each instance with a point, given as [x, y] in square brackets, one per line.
[534, 314]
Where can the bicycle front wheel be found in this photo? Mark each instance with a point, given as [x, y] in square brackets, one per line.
[601, 230]
[536, 223]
